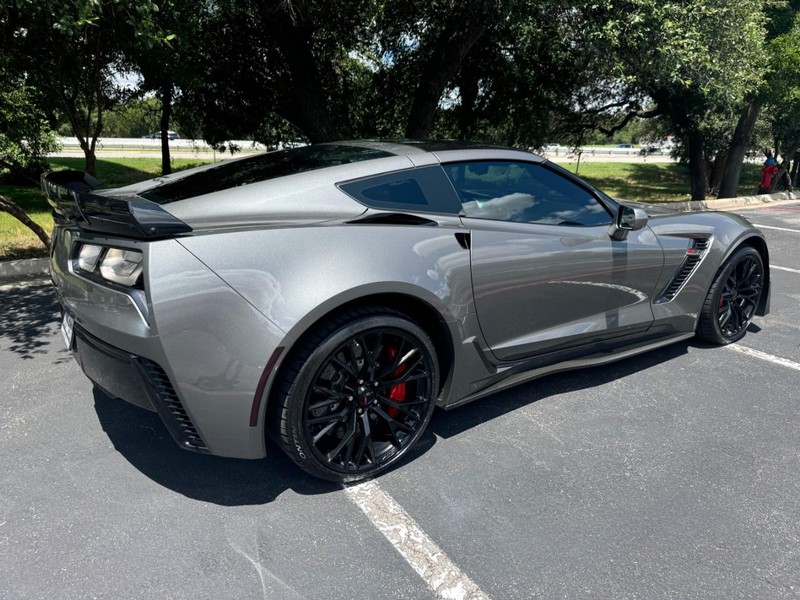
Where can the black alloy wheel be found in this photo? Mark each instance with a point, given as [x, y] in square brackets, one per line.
[733, 298]
[361, 397]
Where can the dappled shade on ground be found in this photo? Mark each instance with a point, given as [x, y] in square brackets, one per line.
[28, 315]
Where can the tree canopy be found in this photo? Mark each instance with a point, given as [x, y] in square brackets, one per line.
[516, 72]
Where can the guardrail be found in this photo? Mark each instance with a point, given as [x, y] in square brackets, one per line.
[604, 151]
[187, 145]
[71, 143]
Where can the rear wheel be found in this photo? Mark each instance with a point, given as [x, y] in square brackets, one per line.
[733, 298]
[357, 395]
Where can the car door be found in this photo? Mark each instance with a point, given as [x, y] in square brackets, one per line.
[546, 275]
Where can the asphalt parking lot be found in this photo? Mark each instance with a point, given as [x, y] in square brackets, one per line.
[675, 474]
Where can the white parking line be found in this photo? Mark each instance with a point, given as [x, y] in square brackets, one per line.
[776, 228]
[413, 544]
[784, 269]
[790, 364]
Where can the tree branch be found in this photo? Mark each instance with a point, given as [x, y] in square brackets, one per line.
[642, 114]
[16, 211]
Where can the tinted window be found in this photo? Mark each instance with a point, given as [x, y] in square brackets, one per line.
[260, 168]
[425, 189]
[523, 192]
[400, 191]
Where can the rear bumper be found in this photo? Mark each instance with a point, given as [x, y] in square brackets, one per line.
[139, 381]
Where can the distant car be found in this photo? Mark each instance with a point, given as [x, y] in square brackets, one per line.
[624, 146]
[330, 296]
[171, 135]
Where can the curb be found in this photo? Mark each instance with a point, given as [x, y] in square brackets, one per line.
[33, 267]
[27, 267]
[728, 203]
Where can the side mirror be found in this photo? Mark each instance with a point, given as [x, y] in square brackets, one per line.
[628, 219]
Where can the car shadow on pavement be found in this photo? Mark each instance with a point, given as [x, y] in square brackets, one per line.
[141, 438]
[447, 424]
[30, 314]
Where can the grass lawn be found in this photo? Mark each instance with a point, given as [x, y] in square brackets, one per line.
[644, 182]
[17, 241]
[652, 182]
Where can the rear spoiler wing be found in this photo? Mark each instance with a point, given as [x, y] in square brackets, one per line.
[71, 195]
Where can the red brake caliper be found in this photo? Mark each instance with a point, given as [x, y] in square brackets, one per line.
[398, 391]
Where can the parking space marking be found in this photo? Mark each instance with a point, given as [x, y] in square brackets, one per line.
[413, 544]
[790, 364]
[776, 228]
[784, 269]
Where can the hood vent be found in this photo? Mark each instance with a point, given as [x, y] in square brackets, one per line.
[694, 256]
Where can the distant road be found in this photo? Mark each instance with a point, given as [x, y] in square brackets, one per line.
[134, 147]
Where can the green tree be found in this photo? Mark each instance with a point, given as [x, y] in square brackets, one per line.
[25, 141]
[691, 62]
[784, 95]
[780, 19]
[70, 51]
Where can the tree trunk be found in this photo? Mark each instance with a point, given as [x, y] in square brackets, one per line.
[443, 60]
[697, 165]
[91, 160]
[717, 171]
[15, 211]
[166, 112]
[742, 136]
[308, 106]
[467, 115]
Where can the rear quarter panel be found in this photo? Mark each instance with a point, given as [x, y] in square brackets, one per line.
[296, 275]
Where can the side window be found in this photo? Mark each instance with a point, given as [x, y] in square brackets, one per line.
[399, 191]
[523, 192]
[424, 189]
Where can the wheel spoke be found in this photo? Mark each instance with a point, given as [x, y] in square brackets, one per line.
[393, 422]
[725, 315]
[371, 354]
[398, 358]
[336, 416]
[324, 431]
[349, 368]
[325, 403]
[347, 438]
[365, 440]
[405, 377]
[402, 404]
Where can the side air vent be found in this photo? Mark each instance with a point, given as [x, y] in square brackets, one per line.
[694, 256]
[170, 408]
[393, 219]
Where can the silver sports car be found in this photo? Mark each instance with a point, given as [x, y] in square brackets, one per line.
[331, 296]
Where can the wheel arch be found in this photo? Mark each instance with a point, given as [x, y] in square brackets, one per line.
[411, 307]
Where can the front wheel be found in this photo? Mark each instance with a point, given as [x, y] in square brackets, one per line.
[733, 298]
[357, 395]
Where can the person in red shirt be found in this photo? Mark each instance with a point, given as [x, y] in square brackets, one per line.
[767, 173]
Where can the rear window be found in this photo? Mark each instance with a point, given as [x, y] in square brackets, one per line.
[260, 168]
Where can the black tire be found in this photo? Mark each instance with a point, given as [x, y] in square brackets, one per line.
[356, 395]
[733, 298]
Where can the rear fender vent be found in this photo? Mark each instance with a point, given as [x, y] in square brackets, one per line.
[170, 408]
[393, 219]
[695, 253]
